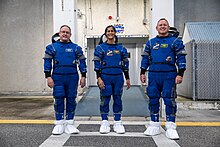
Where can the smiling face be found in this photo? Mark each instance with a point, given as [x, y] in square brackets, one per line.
[163, 27]
[110, 33]
[65, 34]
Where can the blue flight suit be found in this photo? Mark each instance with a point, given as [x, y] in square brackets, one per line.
[111, 60]
[62, 58]
[162, 56]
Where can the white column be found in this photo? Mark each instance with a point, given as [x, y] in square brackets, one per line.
[64, 12]
[161, 9]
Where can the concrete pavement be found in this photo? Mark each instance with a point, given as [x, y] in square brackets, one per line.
[28, 121]
[41, 108]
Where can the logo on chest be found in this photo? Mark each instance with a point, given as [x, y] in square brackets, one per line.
[156, 46]
[68, 50]
[109, 53]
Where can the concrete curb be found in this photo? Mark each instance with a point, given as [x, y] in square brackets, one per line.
[199, 105]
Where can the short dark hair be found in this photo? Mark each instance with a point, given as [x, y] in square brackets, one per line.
[163, 19]
[65, 26]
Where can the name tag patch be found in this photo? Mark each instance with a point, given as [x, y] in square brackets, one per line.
[69, 50]
[164, 45]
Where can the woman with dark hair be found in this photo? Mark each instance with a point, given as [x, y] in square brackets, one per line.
[110, 62]
[103, 38]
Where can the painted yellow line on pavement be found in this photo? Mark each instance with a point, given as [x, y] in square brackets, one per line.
[198, 124]
[26, 121]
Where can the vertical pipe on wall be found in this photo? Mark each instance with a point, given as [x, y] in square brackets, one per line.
[145, 15]
[117, 10]
[85, 18]
[145, 5]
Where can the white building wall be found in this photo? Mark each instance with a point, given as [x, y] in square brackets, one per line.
[95, 13]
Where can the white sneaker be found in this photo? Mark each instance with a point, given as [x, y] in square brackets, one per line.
[118, 127]
[153, 128]
[105, 127]
[171, 132]
[70, 128]
[59, 127]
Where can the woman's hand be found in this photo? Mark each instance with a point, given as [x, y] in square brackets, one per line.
[83, 82]
[143, 78]
[128, 83]
[101, 83]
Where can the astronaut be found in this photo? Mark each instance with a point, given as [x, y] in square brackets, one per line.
[61, 58]
[110, 62]
[162, 56]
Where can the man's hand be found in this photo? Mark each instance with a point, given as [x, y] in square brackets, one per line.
[50, 82]
[128, 83]
[143, 78]
[101, 83]
[179, 79]
[83, 82]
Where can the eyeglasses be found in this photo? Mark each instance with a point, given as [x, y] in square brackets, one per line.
[65, 32]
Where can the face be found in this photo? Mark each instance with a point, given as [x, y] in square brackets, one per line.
[163, 28]
[65, 34]
[110, 33]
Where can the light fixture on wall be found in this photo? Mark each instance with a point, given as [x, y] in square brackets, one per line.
[110, 17]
